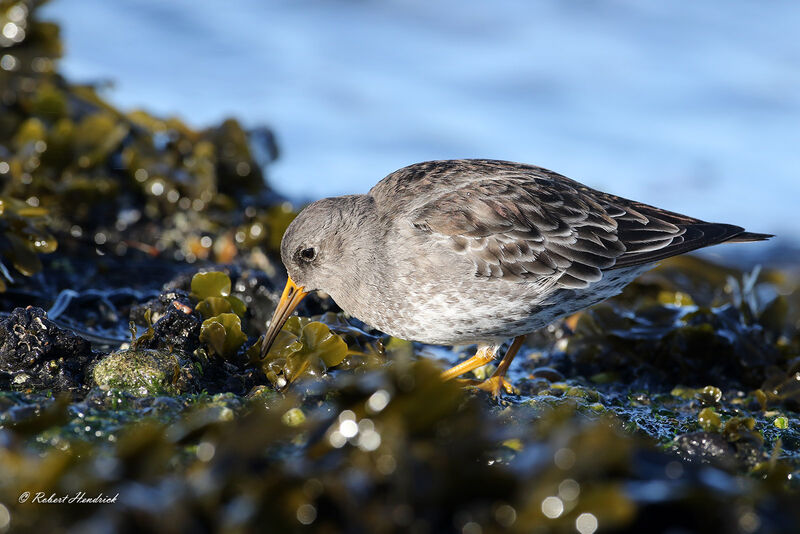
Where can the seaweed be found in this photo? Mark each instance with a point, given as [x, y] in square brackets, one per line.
[223, 334]
[112, 181]
[302, 348]
[674, 406]
[23, 235]
[213, 291]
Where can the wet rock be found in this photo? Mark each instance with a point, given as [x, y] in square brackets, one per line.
[162, 407]
[178, 329]
[532, 386]
[704, 447]
[660, 345]
[34, 352]
[139, 372]
[548, 373]
[159, 306]
[384, 444]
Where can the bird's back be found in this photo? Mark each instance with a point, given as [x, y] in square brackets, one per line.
[517, 221]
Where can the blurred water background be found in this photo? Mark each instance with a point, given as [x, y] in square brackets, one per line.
[693, 107]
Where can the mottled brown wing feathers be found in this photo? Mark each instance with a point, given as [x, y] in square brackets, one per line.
[518, 222]
[515, 230]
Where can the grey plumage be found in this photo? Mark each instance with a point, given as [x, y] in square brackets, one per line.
[518, 221]
[463, 251]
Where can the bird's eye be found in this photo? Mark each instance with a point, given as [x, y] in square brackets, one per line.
[308, 254]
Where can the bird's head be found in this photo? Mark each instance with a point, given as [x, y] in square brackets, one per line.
[312, 250]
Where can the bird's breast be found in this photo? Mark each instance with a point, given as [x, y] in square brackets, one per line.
[465, 309]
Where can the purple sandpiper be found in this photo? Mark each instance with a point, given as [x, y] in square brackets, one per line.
[464, 252]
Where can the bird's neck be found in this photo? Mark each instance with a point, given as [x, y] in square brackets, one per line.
[365, 240]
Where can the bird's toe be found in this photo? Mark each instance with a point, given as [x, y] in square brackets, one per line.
[496, 385]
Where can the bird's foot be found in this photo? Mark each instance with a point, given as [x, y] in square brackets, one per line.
[496, 384]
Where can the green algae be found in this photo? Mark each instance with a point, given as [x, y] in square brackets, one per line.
[221, 331]
[709, 420]
[302, 348]
[210, 284]
[139, 372]
[293, 417]
[709, 395]
[674, 406]
[213, 291]
[23, 235]
[223, 334]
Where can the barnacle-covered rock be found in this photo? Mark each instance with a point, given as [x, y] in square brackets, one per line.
[177, 330]
[36, 353]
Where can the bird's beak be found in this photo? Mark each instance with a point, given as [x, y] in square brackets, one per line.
[291, 297]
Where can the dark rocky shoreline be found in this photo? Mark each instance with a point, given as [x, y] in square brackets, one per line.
[674, 407]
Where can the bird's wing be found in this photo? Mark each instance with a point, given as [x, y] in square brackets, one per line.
[518, 222]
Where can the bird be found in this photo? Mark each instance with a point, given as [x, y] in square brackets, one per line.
[477, 252]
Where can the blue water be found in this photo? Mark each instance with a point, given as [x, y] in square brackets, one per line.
[693, 106]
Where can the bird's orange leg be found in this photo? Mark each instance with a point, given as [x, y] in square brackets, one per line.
[485, 354]
[498, 381]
